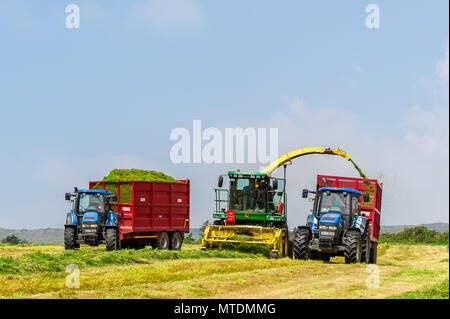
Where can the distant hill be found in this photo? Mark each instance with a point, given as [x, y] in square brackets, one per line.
[56, 235]
[37, 236]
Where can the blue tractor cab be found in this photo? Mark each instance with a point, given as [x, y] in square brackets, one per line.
[335, 227]
[91, 220]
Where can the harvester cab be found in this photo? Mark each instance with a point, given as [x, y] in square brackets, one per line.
[250, 211]
[91, 220]
[335, 227]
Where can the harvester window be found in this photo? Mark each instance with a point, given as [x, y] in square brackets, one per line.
[243, 193]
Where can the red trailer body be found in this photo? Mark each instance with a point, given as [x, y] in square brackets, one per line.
[371, 209]
[149, 209]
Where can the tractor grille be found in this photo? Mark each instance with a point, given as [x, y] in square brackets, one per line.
[90, 227]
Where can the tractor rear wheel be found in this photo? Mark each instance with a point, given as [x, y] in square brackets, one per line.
[111, 239]
[162, 242]
[175, 241]
[373, 254]
[301, 243]
[69, 238]
[365, 246]
[352, 247]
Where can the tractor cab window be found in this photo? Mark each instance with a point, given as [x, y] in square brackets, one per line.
[91, 202]
[334, 202]
[355, 205]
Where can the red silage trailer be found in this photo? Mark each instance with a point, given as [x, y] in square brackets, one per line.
[371, 209]
[155, 213]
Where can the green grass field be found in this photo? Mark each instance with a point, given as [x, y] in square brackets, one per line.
[39, 271]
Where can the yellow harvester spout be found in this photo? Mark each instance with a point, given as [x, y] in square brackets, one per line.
[303, 151]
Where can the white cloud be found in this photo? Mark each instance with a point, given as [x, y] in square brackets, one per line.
[168, 14]
[428, 127]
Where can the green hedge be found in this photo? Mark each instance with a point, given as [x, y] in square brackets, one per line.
[416, 235]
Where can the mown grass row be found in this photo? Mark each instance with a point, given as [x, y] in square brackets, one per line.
[38, 262]
[440, 291]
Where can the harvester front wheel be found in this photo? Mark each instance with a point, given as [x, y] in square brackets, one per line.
[301, 243]
[162, 242]
[111, 239]
[352, 247]
[69, 238]
[274, 255]
[176, 241]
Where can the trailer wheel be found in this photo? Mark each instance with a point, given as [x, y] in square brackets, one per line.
[365, 247]
[111, 239]
[162, 241]
[175, 241]
[352, 247]
[301, 242]
[373, 254]
[69, 238]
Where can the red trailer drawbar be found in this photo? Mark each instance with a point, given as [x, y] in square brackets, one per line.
[155, 213]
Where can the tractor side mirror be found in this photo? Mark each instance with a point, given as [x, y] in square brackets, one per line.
[68, 195]
[275, 184]
[220, 182]
[366, 197]
[114, 198]
[305, 193]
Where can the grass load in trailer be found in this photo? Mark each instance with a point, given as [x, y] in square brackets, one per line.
[151, 213]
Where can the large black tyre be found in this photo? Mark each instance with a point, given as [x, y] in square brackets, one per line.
[70, 238]
[162, 242]
[352, 247]
[175, 241]
[365, 246]
[324, 257]
[301, 243]
[314, 255]
[111, 239]
[373, 254]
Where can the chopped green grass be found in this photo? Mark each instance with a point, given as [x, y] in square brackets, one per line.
[440, 291]
[38, 262]
[117, 175]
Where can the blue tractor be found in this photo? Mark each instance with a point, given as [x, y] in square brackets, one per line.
[91, 220]
[335, 227]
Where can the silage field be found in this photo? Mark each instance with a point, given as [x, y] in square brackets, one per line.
[38, 271]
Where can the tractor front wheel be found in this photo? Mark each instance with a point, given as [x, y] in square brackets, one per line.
[70, 238]
[111, 239]
[301, 243]
[352, 247]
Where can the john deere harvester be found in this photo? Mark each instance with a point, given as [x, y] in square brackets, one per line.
[252, 209]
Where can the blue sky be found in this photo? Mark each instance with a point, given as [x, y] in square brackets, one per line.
[76, 103]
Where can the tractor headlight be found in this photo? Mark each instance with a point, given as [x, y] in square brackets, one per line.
[327, 227]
